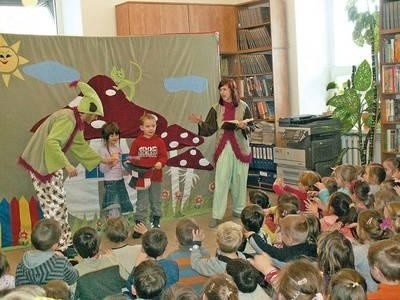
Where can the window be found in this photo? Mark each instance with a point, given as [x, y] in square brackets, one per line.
[28, 19]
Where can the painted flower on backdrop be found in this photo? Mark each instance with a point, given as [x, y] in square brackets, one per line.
[198, 201]
[178, 195]
[165, 194]
[23, 238]
[211, 186]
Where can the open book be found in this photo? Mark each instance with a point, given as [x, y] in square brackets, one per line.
[232, 124]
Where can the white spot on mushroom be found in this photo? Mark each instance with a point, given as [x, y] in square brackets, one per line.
[97, 124]
[196, 140]
[204, 162]
[111, 92]
[164, 135]
[193, 152]
[183, 162]
[173, 144]
[75, 101]
[184, 135]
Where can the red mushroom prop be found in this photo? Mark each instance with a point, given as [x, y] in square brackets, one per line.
[176, 137]
[190, 159]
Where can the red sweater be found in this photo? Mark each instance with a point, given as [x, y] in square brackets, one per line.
[385, 292]
[150, 150]
[301, 195]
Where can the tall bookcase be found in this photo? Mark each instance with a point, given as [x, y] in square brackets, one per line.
[259, 66]
[390, 77]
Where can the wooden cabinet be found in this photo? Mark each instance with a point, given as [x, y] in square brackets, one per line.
[389, 88]
[139, 18]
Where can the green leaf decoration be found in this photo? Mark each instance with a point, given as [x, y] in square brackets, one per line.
[363, 76]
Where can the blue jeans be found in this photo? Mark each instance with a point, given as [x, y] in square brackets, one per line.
[116, 193]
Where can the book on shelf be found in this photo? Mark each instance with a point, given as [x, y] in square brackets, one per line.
[391, 15]
[253, 16]
[393, 139]
[390, 79]
[391, 49]
[392, 109]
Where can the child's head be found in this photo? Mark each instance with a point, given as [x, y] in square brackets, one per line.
[374, 173]
[117, 229]
[229, 237]
[252, 217]
[361, 192]
[86, 241]
[391, 213]
[370, 227]
[314, 228]
[299, 279]
[384, 261]
[335, 252]
[260, 198]
[46, 234]
[110, 131]
[244, 274]
[220, 287]
[149, 280]
[391, 166]
[179, 291]
[347, 284]
[154, 242]
[288, 198]
[184, 231]
[282, 210]
[4, 266]
[340, 204]
[148, 124]
[345, 175]
[294, 229]
[384, 196]
[57, 289]
[330, 184]
[307, 179]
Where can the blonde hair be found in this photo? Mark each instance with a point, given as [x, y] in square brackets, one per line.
[347, 284]
[308, 179]
[300, 280]
[369, 223]
[229, 236]
[385, 256]
[221, 287]
[346, 173]
[147, 116]
[295, 226]
[392, 210]
[384, 196]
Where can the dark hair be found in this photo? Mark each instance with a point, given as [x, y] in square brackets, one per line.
[154, 242]
[45, 234]
[184, 231]
[117, 229]
[288, 198]
[347, 284]
[149, 279]
[86, 241]
[343, 207]
[330, 184]
[234, 91]
[107, 130]
[244, 274]
[252, 217]
[314, 228]
[260, 198]
[378, 171]
[385, 256]
[4, 266]
[362, 190]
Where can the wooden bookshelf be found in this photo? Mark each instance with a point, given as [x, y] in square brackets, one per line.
[389, 88]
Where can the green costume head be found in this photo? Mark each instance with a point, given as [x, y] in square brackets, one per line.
[90, 102]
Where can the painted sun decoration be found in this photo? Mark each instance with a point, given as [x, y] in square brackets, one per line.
[10, 60]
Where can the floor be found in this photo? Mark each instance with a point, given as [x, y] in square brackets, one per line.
[14, 256]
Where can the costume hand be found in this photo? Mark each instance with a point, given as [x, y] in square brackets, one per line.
[198, 235]
[71, 170]
[195, 118]
[158, 166]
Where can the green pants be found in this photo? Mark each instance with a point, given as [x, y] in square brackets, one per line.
[230, 174]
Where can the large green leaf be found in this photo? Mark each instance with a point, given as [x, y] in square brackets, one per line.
[363, 76]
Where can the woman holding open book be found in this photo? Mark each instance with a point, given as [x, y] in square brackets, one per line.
[231, 119]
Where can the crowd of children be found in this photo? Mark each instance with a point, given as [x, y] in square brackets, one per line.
[333, 237]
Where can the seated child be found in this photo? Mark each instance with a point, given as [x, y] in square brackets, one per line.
[384, 196]
[7, 281]
[42, 264]
[246, 278]
[98, 274]
[117, 232]
[361, 196]
[347, 284]
[229, 239]
[391, 166]
[180, 291]
[391, 213]
[260, 198]
[374, 174]
[220, 287]
[154, 243]
[184, 236]
[252, 218]
[384, 261]
[149, 280]
[57, 289]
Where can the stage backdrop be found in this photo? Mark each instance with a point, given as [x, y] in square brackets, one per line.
[169, 75]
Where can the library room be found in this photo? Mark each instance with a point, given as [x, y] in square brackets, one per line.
[177, 149]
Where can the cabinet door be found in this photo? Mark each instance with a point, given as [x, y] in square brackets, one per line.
[215, 18]
[174, 18]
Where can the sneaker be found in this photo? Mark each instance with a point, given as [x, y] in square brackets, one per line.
[155, 223]
[70, 252]
[214, 223]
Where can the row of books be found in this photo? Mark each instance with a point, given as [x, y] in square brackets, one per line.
[256, 86]
[262, 110]
[390, 79]
[254, 38]
[253, 16]
[391, 15]
[254, 64]
[392, 109]
[393, 139]
[391, 50]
